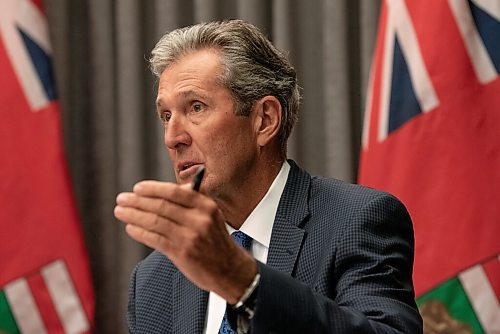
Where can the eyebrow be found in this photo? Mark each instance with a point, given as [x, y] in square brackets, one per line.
[191, 94]
[158, 104]
[188, 94]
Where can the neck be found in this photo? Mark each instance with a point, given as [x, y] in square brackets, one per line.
[238, 207]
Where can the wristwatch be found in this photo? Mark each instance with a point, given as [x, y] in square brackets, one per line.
[246, 305]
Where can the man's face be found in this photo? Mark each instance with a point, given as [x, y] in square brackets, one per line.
[201, 127]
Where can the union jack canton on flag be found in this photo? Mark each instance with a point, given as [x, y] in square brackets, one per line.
[432, 138]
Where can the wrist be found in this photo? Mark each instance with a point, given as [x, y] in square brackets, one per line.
[233, 285]
[245, 306]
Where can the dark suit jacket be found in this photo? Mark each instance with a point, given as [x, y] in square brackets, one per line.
[340, 261]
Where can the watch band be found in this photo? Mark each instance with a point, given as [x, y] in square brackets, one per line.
[246, 305]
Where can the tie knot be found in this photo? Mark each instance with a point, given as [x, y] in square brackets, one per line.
[242, 239]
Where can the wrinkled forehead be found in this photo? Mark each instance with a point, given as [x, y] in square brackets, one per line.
[196, 75]
[198, 68]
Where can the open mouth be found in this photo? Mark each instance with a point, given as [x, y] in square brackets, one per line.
[186, 166]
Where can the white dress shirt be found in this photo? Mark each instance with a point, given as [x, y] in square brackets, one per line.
[258, 226]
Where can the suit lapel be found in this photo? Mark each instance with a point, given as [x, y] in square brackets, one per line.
[190, 302]
[287, 236]
[190, 306]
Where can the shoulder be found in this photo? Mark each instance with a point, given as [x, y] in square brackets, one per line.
[320, 187]
[343, 192]
[150, 295]
[334, 199]
[153, 271]
[353, 203]
[347, 196]
[152, 280]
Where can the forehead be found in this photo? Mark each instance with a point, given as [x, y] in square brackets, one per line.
[197, 71]
[204, 64]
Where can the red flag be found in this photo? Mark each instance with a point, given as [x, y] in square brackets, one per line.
[432, 138]
[44, 277]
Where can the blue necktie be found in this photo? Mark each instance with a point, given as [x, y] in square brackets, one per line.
[244, 241]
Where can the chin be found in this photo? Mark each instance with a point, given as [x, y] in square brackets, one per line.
[215, 191]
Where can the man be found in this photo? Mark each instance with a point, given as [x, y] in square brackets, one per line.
[324, 256]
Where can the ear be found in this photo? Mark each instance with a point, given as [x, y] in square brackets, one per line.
[268, 119]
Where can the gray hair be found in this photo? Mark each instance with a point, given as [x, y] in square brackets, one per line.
[253, 67]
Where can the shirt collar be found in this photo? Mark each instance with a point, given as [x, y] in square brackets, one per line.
[259, 224]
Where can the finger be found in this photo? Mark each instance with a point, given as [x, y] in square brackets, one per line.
[147, 220]
[175, 199]
[150, 204]
[159, 207]
[148, 238]
[172, 192]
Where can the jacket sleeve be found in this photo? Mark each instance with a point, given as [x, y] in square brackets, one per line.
[131, 302]
[370, 276]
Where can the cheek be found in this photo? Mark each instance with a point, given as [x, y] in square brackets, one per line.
[218, 150]
[231, 152]
[223, 144]
[215, 150]
[171, 154]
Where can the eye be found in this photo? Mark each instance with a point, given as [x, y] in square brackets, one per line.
[198, 107]
[165, 116]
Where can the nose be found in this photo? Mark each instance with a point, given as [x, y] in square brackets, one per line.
[176, 133]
